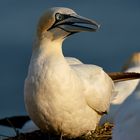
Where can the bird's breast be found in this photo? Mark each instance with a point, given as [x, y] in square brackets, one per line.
[52, 94]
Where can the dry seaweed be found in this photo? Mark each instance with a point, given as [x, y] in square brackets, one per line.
[103, 132]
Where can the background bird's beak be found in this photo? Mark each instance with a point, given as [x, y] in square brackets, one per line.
[78, 24]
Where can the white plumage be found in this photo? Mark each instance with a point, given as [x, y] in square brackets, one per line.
[123, 89]
[127, 121]
[63, 95]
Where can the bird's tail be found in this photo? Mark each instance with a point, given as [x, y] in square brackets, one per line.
[123, 76]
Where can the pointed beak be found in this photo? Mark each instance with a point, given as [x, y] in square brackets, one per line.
[78, 23]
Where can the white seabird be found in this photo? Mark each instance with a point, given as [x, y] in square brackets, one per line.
[127, 120]
[123, 89]
[63, 97]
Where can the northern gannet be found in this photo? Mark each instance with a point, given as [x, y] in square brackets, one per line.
[123, 89]
[62, 97]
[127, 120]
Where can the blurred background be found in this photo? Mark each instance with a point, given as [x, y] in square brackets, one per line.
[117, 39]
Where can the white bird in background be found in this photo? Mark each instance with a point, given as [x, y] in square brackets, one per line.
[123, 89]
[127, 121]
[64, 95]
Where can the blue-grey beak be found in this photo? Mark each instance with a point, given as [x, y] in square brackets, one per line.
[78, 23]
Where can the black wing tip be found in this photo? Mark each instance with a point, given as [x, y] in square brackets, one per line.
[124, 76]
[15, 121]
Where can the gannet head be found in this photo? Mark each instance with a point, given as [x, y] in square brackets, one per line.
[133, 61]
[58, 23]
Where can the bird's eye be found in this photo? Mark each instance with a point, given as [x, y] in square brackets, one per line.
[59, 17]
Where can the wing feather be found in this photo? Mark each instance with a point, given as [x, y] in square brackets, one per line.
[97, 86]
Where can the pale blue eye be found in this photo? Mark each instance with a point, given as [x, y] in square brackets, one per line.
[59, 17]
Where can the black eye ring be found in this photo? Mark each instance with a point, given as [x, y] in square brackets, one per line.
[59, 17]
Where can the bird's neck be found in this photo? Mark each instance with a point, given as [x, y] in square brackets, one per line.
[48, 57]
[48, 48]
[47, 54]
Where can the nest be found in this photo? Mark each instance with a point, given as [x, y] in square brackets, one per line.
[103, 132]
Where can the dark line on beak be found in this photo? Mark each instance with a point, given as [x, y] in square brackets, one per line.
[70, 33]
